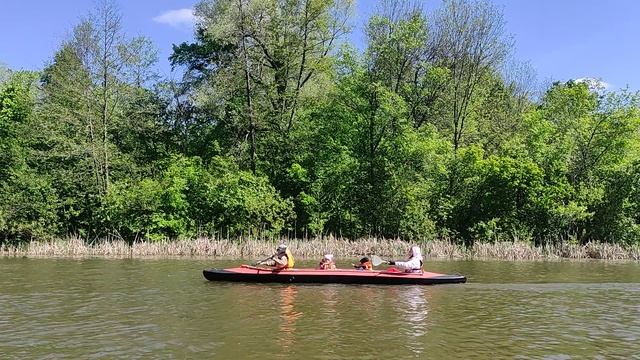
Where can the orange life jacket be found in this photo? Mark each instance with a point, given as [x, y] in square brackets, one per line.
[364, 266]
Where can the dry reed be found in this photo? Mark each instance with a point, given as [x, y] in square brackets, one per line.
[250, 248]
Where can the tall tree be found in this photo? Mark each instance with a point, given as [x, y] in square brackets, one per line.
[93, 99]
[28, 202]
[398, 57]
[276, 50]
[468, 39]
[110, 65]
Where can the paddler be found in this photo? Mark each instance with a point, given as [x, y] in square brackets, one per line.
[414, 264]
[365, 264]
[327, 263]
[282, 259]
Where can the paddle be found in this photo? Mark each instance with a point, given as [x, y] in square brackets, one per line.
[258, 263]
[377, 260]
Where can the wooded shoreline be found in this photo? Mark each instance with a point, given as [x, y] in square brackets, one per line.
[314, 248]
[277, 126]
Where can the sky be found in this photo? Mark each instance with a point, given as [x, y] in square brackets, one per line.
[561, 39]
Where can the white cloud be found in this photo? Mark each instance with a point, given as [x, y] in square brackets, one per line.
[594, 83]
[179, 18]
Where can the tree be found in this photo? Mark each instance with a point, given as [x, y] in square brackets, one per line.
[28, 203]
[272, 52]
[16, 104]
[468, 39]
[501, 105]
[188, 199]
[5, 73]
[95, 67]
[592, 130]
[93, 102]
[399, 57]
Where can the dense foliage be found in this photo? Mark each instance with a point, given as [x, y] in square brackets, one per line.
[279, 127]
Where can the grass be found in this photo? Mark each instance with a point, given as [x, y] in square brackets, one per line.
[315, 247]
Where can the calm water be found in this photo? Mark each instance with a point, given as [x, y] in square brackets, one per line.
[165, 309]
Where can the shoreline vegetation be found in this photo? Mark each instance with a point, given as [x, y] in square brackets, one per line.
[314, 248]
[276, 124]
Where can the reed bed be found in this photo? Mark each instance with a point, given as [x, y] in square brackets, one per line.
[313, 248]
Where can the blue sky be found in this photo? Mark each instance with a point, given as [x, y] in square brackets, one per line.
[562, 39]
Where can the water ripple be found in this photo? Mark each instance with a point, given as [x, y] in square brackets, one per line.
[68, 309]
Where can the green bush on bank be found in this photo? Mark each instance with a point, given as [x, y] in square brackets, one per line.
[189, 199]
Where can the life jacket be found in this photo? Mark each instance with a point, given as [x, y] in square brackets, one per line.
[328, 265]
[290, 261]
[364, 266]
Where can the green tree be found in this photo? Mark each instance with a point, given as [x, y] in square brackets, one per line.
[260, 60]
[399, 57]
[28, 202]
[469, 39]
[188, 199]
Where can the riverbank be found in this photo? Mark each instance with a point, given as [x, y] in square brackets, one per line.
[316, 247]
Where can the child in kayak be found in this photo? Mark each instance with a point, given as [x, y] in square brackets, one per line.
[414, 264]
[282, 259]
[365, 264]
[327, 263]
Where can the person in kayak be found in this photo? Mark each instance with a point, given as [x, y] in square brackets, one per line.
[282, 259]
[365, 264]
[414, 264]
[327, 263]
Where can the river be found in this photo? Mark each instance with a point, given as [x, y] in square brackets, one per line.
[143, 308]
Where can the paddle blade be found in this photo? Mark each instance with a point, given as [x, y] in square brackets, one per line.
[376, 260]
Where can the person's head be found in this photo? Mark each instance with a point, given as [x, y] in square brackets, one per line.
[282, 248]
[327, 258]
[415, 252]
[364, 260]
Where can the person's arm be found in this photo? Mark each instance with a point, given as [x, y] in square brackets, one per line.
[268, 262]
[280, 261]
[413, 264]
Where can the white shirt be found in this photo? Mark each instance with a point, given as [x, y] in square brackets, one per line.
[409, 265]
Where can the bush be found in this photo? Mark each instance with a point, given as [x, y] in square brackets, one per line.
[188, 199]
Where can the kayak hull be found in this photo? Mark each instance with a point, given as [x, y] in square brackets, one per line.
[251, 274]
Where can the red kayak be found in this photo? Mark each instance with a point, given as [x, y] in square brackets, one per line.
[247, 273]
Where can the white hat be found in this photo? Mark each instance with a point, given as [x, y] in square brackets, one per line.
[328, 257]
[282, 248]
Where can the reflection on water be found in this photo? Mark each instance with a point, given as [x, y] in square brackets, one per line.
[289, 316]
[70, 309]
[413, 309]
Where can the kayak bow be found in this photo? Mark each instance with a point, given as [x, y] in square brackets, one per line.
[247, 273]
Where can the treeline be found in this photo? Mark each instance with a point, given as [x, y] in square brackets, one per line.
[280, 127]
